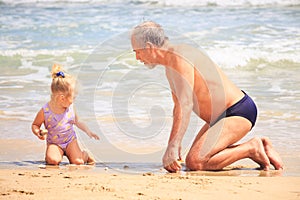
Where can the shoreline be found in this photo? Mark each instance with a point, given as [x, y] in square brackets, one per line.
[76, 184]
[233, 170]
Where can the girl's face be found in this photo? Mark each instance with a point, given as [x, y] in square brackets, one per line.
[66, 100]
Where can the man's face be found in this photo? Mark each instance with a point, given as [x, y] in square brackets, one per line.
[143, 54]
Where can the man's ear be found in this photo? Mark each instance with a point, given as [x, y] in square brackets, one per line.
[149, 45]
[152, 48]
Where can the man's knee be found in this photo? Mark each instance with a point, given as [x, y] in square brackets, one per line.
[193, 162]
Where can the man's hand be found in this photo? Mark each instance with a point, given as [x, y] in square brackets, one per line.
[170, 158]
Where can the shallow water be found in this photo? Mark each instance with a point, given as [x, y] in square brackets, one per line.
[129, 106]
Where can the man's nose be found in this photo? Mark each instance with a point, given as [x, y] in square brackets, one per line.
[137, 56]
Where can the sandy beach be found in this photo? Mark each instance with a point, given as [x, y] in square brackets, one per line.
[24, 176]
[87, 184]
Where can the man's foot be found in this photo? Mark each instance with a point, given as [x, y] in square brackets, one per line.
[272, 154]
[258, 154]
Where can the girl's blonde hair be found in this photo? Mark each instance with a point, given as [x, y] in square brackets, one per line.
[62, 82]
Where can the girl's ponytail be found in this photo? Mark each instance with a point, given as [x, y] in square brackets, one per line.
[56, 68]
[61, 81]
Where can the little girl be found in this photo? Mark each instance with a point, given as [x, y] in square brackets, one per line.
[58, 117]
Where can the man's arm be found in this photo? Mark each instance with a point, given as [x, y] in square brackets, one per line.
[181, 81]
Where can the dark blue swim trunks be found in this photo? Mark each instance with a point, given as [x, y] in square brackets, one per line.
[244, 108]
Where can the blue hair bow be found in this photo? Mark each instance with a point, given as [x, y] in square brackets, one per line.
[60, 73]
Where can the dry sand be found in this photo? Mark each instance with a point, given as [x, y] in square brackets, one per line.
[89, 184]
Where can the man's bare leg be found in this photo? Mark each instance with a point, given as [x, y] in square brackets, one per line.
[213, 150]
[252, 149]
[272, 154]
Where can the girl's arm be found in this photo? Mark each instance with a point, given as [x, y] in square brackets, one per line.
[81, 125]
[36, 125]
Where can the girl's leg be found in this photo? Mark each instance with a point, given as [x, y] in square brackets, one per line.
[76, 155]
[54, 154]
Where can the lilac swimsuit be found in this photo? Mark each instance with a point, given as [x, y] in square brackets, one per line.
[60, 126]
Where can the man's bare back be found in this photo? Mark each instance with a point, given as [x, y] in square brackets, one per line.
[213, 92]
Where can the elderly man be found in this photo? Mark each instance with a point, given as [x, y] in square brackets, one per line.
[199, 85]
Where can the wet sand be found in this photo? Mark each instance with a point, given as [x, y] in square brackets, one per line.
[20, 153]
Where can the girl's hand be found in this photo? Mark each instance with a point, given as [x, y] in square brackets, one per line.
[42, 134]
[93, 135]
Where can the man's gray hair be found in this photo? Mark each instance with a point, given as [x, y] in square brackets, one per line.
[149, 32]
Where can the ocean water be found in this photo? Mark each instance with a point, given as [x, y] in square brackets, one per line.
[257, 43]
